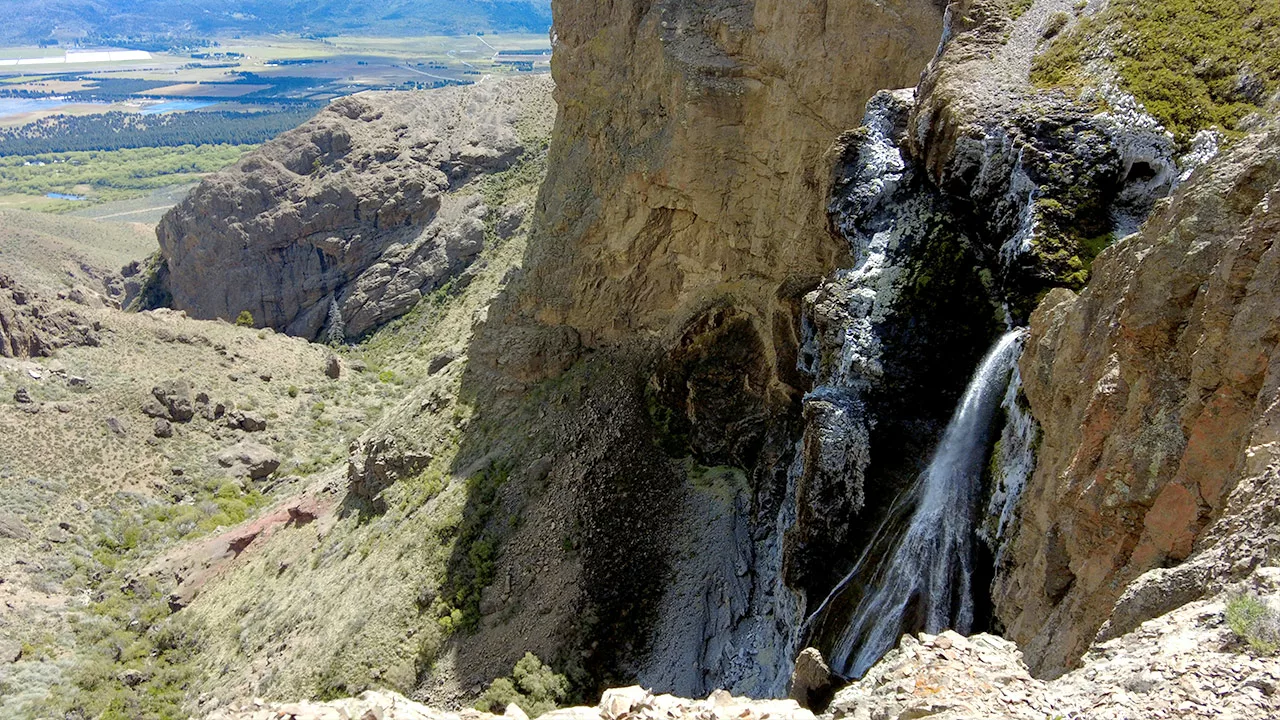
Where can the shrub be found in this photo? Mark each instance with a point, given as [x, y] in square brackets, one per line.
[1018, 8]
[1255, 621]
[533, 686]
[245, 319]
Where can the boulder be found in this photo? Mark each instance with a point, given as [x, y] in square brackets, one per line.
[333, 367]
[22, 396]
[812, 684]
[162, 428]
[250, 459]
[177, 399]
[12, 527]
[441, 361]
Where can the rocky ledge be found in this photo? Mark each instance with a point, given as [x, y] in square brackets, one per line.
[630, 703]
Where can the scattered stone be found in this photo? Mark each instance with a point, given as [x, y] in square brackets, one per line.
[76, 381]
[177, 471]
[22, 396]
[265, 376]
[132, 678]
[247, 421]
[63, 408]
[162, 428]
[152, 408]
[210, 410]
[116, 426]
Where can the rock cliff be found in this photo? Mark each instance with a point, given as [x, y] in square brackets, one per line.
[348, 221]
[1156, 391]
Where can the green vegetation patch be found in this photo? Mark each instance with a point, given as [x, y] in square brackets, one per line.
[534, 687]
[133, 657]
[114, 174]
[1254, 621]
[1192, 63]
[475, 551]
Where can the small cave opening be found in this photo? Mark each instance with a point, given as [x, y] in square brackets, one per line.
[1140, 171]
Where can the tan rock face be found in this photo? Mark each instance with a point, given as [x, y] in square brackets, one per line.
[1156, 389]
[689, 155]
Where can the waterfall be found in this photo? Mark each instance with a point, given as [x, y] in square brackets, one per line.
[917, 571]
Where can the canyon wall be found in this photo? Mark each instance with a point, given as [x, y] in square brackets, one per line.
[690, 156]
[1156, 389]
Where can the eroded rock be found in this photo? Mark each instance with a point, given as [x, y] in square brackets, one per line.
[250, 459]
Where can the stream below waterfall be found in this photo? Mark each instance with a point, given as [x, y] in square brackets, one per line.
[917, 573]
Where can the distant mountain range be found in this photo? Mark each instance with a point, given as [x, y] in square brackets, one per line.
[28, 22]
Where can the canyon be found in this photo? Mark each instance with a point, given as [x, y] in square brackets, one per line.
[854, 351]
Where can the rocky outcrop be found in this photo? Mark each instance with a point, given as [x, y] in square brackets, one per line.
[1156, 389]
[690, 159]
[1187, 664]
[31, 326]
[630, 703]
[346, 222]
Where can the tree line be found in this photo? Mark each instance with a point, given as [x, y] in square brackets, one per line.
[119, 130]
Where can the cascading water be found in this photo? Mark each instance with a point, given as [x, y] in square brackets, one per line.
[922, 558]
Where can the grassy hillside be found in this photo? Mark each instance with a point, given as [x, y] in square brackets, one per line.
[1192, 63]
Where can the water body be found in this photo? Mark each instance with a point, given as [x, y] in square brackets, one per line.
[64, 196]
[917, 572]
[10, 107]
[175, 106]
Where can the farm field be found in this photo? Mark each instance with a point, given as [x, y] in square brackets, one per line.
[203, 107]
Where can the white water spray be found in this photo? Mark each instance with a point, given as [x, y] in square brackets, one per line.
[925, 573]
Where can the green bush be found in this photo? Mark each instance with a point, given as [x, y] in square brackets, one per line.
[533, 686]
[245, 319]
[1254, 621]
